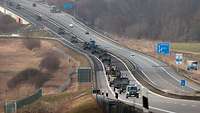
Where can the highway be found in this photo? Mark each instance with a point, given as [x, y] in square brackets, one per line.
[164, 78]
[152, 69]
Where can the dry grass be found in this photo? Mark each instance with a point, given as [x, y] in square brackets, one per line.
[15, 57]
[80, 101]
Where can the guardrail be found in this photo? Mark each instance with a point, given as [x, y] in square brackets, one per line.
[115, 106]
[138, 73]
[10, 106]
[144, 81]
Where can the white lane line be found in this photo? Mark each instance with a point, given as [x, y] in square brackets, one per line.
[134, 78]
[138, 54]
[136, 81]
[165, 70]
[149, 90]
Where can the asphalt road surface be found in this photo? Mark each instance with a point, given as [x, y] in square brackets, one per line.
[164, 78]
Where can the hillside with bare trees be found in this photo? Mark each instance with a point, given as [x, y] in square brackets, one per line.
[154, 19]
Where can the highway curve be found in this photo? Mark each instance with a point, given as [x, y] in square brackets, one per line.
[165, 78]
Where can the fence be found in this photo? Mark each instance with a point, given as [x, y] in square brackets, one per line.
[115, 106]
[12, 106]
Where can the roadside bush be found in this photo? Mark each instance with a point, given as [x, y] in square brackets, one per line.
[32, 43]
[30, 76]
[50, 62]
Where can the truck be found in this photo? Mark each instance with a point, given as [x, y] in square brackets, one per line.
[106, 59]
[38, 17]
[114, 77]
[103, 53]
[132, 90]
[97, 50]
[74, 39]
[110, 69]
[34, 4]
[192, 65]
[54, 9]
[18, 6]
[120, 83]
[61, 31]
[89, 45]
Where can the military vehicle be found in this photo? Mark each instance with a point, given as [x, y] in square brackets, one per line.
[34, 4]
[38, 18]
[61, 31]
[132, 90]
[18, 6]
[74, 39]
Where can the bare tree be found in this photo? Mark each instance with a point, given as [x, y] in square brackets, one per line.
[50, 62]
[32, 43]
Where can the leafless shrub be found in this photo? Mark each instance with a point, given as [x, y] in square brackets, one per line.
[50, 62]
[32, 43]
[30, 76]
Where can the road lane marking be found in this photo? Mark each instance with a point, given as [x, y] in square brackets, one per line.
[165, 71]
[136, 81]
[64, 39]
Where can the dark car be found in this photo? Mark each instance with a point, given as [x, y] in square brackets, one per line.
[18, 6]
[34, 5]
[61, 31]
[87, 33]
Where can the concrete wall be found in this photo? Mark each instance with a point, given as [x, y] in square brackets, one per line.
[16, 17]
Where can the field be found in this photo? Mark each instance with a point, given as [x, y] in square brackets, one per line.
[24, 69]
[187, 47]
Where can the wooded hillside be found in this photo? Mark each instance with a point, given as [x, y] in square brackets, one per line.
[154, 19]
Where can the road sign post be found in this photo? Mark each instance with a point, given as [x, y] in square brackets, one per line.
[179, 60]
[183, 83]
[145, 103]
[145, 100]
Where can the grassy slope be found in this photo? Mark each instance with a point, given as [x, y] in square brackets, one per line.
[80, 101]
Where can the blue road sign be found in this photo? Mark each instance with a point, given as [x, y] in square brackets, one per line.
[183, 82]
[68, 5]
[179, 59]
[163, 48]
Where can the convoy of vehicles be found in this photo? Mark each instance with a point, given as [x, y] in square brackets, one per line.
[115, 77]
